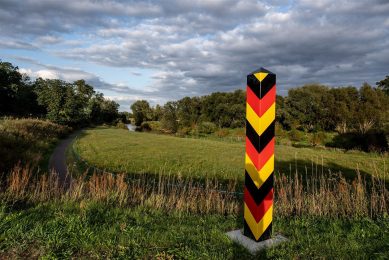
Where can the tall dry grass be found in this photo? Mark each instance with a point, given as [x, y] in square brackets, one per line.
[294, 196]
[331, 196]
[27, 140]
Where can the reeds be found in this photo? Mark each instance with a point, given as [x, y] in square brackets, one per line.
[296, 195]
[332, 196]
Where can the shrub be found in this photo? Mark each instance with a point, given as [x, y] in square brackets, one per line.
[280, 132]
[34, 129]
[155, 125]
[27, 140]
[145, 126]
[295, 135]
[121, 125]
[184, 131]
[206, 128]
[318, 138]
[237, 123]
[222, 132]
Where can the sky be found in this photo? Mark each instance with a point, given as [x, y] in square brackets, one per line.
[166, 50]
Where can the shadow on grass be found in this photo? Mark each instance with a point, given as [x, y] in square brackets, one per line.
[308, 169]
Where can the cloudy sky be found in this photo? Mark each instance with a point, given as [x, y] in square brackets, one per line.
[168, 49]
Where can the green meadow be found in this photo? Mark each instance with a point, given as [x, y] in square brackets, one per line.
[94, 230]
[103, 216]
[119, 150]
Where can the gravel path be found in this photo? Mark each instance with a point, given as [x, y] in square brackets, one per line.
[57, 162]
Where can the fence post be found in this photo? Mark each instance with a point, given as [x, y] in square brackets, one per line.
[259, 157]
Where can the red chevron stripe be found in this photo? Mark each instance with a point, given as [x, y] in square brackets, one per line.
[258, 211]
[259, 159]
[260, 106]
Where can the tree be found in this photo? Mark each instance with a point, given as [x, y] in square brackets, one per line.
[52, 94]
[282, 114]
[109, 110]
[17, 95]
[74, 104]
[384, 85]
[169, 119]
[224, 109]
[373, 108]
[344, 108]
[10, 79]
[305, 105]
[141, 111]
[188, 111]
[157, 113]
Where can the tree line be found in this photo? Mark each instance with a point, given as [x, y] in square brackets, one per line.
[225, 110]
[360, 116]
[73, 104]
[345, 109]
[309, 108]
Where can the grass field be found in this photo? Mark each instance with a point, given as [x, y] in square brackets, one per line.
[111, 216]
[119, 150]
[89, 229]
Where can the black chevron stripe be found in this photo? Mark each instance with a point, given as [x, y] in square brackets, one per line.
[267, 83]
[248, 233]
[261, 88]
[258, 194]
[267, 234]
[260, 141]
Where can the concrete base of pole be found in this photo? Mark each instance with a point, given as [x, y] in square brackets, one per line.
[252, 246]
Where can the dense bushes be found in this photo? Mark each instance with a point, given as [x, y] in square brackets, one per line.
[372, 141]
[34, 129]
[295, 135]
[206, 128]
[145, 127]
[27, 141]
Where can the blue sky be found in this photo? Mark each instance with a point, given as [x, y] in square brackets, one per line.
[165, 50]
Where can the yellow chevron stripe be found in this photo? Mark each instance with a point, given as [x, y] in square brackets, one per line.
[260, 76]
[260, 123]
[259, 177]
[258, 228]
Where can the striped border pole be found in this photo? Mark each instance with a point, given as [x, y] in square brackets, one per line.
[259, 158]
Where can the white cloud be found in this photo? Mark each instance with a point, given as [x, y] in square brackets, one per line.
[49, 39]
[48, 74]
[198, 47]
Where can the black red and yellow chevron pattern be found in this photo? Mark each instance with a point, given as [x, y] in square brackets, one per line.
[259, 159]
